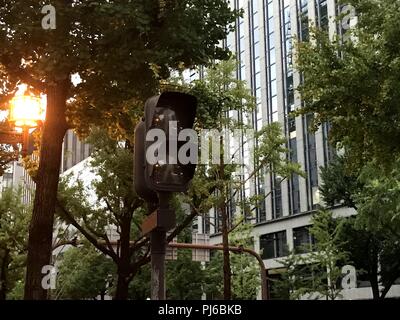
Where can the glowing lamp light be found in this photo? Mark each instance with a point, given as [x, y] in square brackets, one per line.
[26, 111]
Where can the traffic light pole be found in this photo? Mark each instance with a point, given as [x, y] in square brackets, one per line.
[158, 245]
[158, 248]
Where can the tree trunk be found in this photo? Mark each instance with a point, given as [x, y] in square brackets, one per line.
[3, 274]
[225, 239]
[124, 261]
[374, 286]
[227, 263]
[373, 273]
[41, 226]
[102, 295]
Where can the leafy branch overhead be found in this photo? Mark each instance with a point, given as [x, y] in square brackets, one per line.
[355, 84]
[118, 49]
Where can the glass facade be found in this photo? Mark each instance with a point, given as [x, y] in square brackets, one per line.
[263, 44]
[321, 14]
[302, 239]
[272, 113]
[273, 245]
[302, 17]
[74, 150]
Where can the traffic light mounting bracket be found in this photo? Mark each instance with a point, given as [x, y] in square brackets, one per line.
[159, 219]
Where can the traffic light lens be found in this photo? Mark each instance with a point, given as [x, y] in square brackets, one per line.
[174, 174]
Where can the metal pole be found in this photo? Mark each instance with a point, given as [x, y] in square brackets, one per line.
[25, 141]
[158, 247]
[158, 244]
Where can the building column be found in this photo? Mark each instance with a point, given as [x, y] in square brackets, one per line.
[289, 239]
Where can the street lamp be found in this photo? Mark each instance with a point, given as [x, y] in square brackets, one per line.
[26, 112]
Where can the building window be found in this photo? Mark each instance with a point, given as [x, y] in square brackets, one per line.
[321, 10]
[303, 20]
[303, 240]
[273, 245]
[256, 65]
[206, 223]
[272, 113]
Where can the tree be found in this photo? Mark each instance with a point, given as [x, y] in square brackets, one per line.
[141, 40]
[328, 255]
[119, 207]
[371, 237]
[378, 206]
[84, 273]
[297, 280]
[139, 288]
[245, 268]
[217, 185]
[246, 280]
[339, 183]
[185, 278]
[14, 219]
[220, 88]
[316, 273]
[355, 84]
[201, 196]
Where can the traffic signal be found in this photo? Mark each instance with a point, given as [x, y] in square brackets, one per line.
[166, 115]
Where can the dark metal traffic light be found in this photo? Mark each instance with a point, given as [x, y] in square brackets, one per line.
[166, 115]
[159, 170]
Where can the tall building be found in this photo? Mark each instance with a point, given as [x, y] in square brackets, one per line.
[17, 177]
[74, 151]
[263, 43]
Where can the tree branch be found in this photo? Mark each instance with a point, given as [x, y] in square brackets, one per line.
[138, 244]
[84, 232]
[73, 242]
[237, 225]
[114, 254]
[109, 207]
[21, 73]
